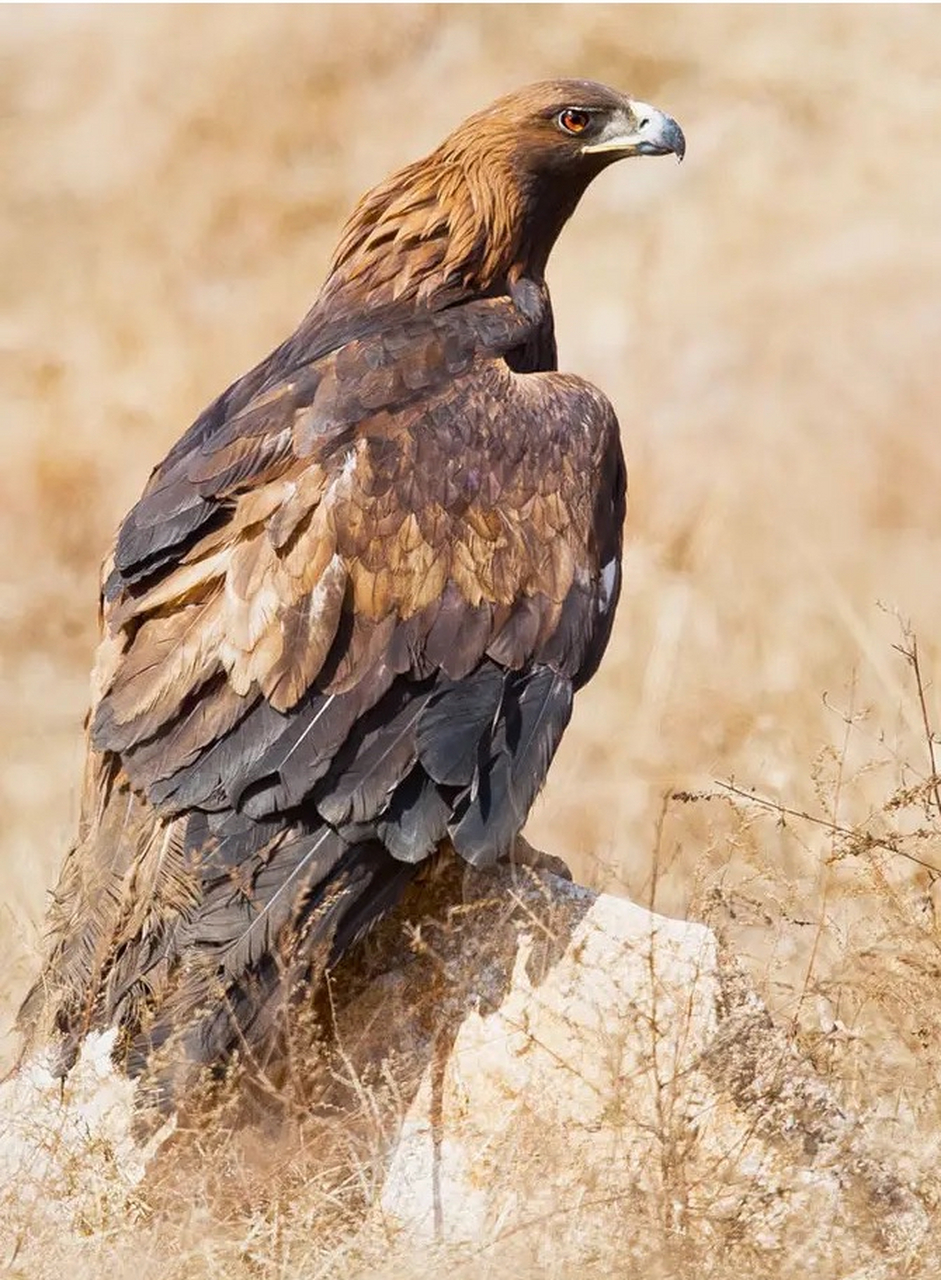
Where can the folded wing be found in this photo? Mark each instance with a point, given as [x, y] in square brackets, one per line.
[345, 620]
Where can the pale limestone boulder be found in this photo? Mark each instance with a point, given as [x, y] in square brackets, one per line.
[601, 1078]
[564, 1084]
[70, 1155]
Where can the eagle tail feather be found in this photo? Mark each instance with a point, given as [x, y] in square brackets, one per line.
[215, 1013]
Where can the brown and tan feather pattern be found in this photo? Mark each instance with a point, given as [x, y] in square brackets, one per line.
[346, 619]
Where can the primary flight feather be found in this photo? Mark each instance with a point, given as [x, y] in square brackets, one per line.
[346, 619]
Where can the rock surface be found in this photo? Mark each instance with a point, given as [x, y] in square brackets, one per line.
[592, 1067]
[536, 1068]
[69, 1148]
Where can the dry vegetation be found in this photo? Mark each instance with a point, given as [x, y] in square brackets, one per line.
[767, 320]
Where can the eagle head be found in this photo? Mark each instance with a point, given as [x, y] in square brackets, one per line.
[485, 208]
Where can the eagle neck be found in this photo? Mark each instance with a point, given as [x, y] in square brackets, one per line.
[458, 225]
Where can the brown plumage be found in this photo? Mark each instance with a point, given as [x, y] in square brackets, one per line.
[346, 618]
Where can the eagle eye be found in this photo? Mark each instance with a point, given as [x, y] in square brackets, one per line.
[573, 120]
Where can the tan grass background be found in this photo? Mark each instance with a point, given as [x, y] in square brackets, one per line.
[766, 319]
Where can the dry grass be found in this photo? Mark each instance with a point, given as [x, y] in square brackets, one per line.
[766, 320]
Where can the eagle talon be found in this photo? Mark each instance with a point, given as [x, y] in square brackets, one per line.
[523, 854]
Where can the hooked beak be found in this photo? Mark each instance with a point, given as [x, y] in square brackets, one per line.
[640, 131]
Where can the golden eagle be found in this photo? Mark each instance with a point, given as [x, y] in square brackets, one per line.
[346, 619]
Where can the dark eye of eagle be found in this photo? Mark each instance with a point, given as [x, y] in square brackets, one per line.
[573, 120]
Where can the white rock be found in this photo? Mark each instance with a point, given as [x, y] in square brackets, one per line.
[68, 1148]
[633, 996]
[635, 1068]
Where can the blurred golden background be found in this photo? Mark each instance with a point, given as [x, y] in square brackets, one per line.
[765, 318]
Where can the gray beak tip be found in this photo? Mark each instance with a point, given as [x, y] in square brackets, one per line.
[675, 139]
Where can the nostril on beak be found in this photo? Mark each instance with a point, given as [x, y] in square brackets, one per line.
[642, 124]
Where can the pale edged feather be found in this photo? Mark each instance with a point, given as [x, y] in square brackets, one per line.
[168, 658]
